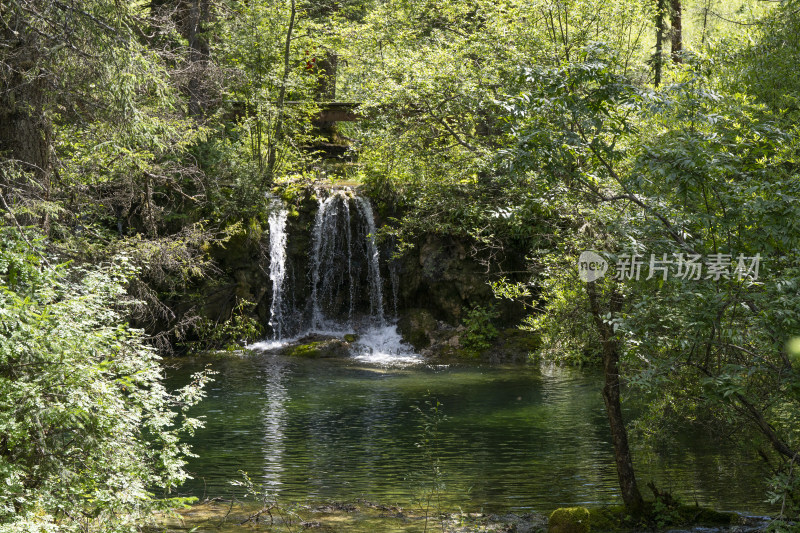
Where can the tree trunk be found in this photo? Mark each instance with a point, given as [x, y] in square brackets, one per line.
[611, 396]
[326, 78]
[25, 130]
[677, 31]
[326, 90]
[619, 435]
[657, 56]
[277, 135]
[706, 9]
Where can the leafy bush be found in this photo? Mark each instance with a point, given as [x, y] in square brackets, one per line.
[481, 330]
[232, 334]
[88, 428]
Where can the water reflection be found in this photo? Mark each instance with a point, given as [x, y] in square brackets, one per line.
[514, 438]
[274, 416]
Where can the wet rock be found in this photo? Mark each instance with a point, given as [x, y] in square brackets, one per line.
[512, 345]
[440, 275]
[474, 522]
[417, 326]
[320, 347]
[445, 342]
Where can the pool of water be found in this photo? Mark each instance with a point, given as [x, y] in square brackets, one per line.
[503, 439]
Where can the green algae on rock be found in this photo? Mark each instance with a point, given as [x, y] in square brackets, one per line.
[569, 520]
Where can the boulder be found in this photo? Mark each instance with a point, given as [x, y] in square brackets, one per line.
[569, 520]
[417, 327]
[321, 348]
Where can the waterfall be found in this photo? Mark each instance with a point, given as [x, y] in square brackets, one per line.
[376, 287]
[349, 234]
[316, 249]
[277, 266]
[345, 294]
[345, 268]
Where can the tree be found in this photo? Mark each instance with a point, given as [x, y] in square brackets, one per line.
[711, 162]
[277, 135]
[765, 67]
[611, 397]
[676, 173]
[570, 122]
[676, 32]
[88, 429]
[658, 55]
[97, 143]
[25, 129]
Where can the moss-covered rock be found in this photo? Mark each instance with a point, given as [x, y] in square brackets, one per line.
[569, 520]
[417, 327]
[677, 515]
[610, 518]
[323, 349]
[657, 515]
[311, 350]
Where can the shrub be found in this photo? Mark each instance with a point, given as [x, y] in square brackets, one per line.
[87, 427]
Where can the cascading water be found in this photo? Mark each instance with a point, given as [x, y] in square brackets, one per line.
[346, 285]
[346, 291]
[277, 267]
[324, 224]
[375, 285]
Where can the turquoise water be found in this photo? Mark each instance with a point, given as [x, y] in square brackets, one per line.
[507, 438]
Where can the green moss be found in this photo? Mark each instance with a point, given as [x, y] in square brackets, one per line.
[569, 520]
[291, 191]
[657, 515]
[610, 518]
[311, 350]
[350, 337]
[464, 353]
[328, 348]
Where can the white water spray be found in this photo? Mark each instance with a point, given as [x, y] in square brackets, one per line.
[375, 284]
[277, 266]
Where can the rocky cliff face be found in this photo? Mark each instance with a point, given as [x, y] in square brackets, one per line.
[439, 275]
